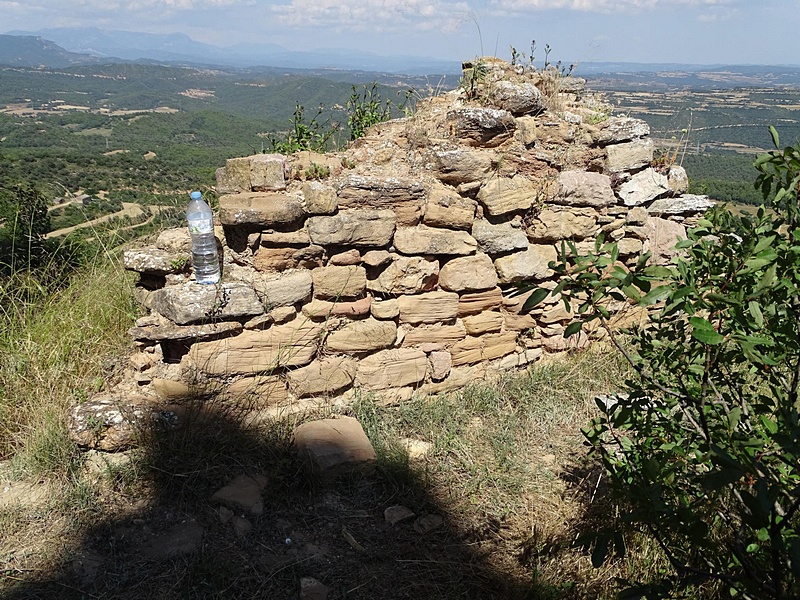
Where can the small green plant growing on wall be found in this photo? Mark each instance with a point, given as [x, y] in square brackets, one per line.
[314, 134]
[703, 449]
[366, 108]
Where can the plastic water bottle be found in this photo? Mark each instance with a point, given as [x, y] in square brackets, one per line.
[205, 259]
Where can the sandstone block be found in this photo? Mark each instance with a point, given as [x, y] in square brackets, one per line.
[442, 335]
[447, 208]
[274, 259]
[355, 227]
[335, 447]
[404, 196]
[258, 392]
[320, 199]
[629, 246]
[459, 165]
[662, 235]
[345, 259]
[285, 289]
[476, 126]
[291, 345]
[322, 377]
[583, 188]
[265, 209]
[485, 322]
[531, 264]
[483, 348]
[377, 258]
[643, 187]
[431, 240]
[392, 368]
[686, 204]
[636, 216]
[629, 156]
[498, 239]
[260, 172]
[556, 223]
[362, 336]
[176, 239]
[477, 302]
[516, 98]
[154, 261]
[458, 378]
[406, 275]
[385, 309]
[324, 309]
[439, 364]
[194, 302]
[431, 307]
[468, 274]
[677, 179]
[167, 330]
[339, 282]
[615, 130]
[298, 237]
[503, 195]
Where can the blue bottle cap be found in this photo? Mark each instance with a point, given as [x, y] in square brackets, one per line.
[195, 195]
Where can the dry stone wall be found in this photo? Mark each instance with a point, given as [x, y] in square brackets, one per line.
[391, 272]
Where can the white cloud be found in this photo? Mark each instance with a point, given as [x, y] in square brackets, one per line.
[600, 5]
[375, 15]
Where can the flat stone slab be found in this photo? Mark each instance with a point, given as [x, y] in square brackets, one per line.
[243, 493]
[335, 447]
[193, 302]
[260, 208]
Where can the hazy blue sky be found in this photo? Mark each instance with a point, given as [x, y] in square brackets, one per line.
[688, 31]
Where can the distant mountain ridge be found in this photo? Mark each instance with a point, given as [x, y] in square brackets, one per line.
[34, 51]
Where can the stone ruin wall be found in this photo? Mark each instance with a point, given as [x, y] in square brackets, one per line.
[386, 267]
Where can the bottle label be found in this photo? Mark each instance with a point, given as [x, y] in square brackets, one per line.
[201, 226]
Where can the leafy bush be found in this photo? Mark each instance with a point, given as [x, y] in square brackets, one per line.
[311, 135]
[704, 449]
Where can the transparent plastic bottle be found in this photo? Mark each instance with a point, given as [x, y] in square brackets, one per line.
[205, 259]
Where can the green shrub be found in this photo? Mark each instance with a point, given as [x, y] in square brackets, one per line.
[703, 451]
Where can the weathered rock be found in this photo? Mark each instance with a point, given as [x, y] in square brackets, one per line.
[486, 127]
[284, 289]
[260, 172]
[427, 524]
[311, 589]
[686, 204]
[498, 239]
[621, 129]
[447, 208]
[111, 421]
[643, 187]
[441, 335]
[193, 302]
[431, 307]
[265, 209]
[629, 246]
[636, 216]
[530, 264]
[458, 165]
[385, 309]
[275, 259]
[526, 131]
[392, 368]
[241, 526]
[406, 275]
[563, 223]
[339, 282]
[662, 235]
[298, 237]
[483, 348]
[362, 336]
[521, 359]
[485, 322]
[503, 195]
[582, 188]
[476, 302]
[403, 196]
[677, 179]
[176, 239]
[377, 258]
[417, 449]
[397, 514]
[291, 345]
[243, 493]
[439, 364]
[516, 98]
[167, 330]
[629, 156]
[468, 274]
[324, 309]
[431, 240]
[323, 377]
[346, 259]
[355, 227]
[154, 261]
[335, 447]
[320, 199]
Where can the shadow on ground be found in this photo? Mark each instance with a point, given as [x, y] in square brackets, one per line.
[158, 534]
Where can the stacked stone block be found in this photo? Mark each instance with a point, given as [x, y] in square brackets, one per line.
[395, 273]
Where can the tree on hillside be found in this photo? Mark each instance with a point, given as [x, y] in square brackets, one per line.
[23, 224]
